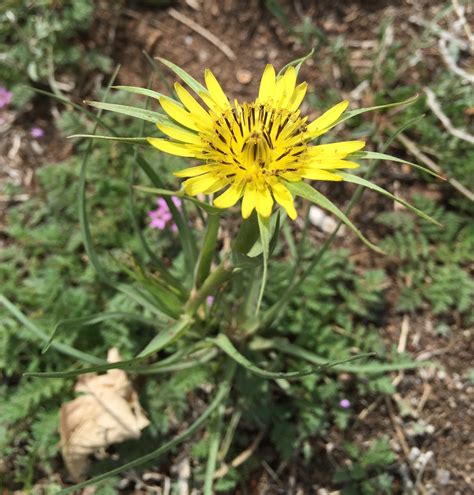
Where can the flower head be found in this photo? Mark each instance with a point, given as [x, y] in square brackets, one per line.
[345, 403]
[252, 149]
[161, 217]
[5, 97]
[37, 132]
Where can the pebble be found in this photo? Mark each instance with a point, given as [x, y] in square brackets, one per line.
[243, 76]
[443, 476]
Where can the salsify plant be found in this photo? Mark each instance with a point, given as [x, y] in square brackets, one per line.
[265, 154]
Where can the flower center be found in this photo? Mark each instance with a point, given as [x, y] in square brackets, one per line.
[257, 140]
[257, 150]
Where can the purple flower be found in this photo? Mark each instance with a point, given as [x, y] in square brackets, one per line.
[161, 217]
[345, 403]
[210, 300]
[5, 97]
[37, 132]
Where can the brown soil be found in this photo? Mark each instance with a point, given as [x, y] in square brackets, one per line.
[439, 397]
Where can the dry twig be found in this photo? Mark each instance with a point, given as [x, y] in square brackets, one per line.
[212, 38]
[444, 119]
[241, 458]
[413, 149]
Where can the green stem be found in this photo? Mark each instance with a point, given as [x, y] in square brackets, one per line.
[215, 436]
[207, 251]
[220, 275]
[300, 276]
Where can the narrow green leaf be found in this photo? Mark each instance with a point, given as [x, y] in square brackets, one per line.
[297, 63]
[44, 337]
[184, 230]
[80, 108]
[83, 215]
[222, 393]
[286, 347]
[306, 191]
[158, 263]
[264, 228]
[139, 113]
[196, 86]
[130, 140]
[83, 321]
[203, 358]
[214, 431]
[374, 155]
[180, 194]
[370, 185]
[122, 365]
[144, 92]
[223, 342]
[352, 113]
[166, 337]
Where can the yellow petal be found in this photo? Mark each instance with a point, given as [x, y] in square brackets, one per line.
[331, 163]
[327, 119]
[264, 202]
[178, 114]
[289, 82]
[316, 174]
[197, 185]
[193, 106]
[336, 150]
[284, 198]
[171, 147]
[297, 98]
[217, 186]
[248, 203]
[267, 84]
[195, 171]
[215, 90]
[231, 196]
[179, 134]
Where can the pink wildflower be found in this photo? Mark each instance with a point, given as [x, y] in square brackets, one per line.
[210, 300]
[5, 97]
[345, 403]
[162, 217]
[37, 132]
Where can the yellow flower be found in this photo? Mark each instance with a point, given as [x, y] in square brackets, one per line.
[252, 149]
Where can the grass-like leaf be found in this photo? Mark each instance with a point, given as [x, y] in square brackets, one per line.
[306, 191]
[287, 347]
[144, 92]
[374, 155]
[358, 111]
[180, 194]
[196, 86]
[139, 113]
[297, 63]
[370, 185]
[167, 336]
[223, 342]
[44, 337]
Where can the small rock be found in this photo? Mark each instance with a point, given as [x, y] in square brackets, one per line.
[322, 221]
[443, 476]
[243, 76]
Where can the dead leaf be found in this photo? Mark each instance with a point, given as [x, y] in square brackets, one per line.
[108, 412]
